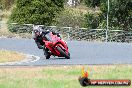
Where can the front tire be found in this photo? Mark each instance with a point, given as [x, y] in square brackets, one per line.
[63, 53]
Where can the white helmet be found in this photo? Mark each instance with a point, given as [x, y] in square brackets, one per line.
[37, 30]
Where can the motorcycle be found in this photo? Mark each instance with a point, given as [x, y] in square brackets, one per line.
[56, 46]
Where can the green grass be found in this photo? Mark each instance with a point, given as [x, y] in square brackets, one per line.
[60, 76]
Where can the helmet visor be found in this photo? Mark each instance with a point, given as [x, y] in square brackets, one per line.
[36, 32]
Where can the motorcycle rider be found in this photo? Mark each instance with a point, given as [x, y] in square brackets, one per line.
[38, 35]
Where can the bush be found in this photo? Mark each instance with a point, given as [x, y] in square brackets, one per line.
[120, 14]
[71, 17]
[93, 20]
[92, 3]
[35, 11]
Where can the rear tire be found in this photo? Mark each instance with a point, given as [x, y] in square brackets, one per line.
[63, 53]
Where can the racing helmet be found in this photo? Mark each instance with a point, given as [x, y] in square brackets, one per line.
[37, 30]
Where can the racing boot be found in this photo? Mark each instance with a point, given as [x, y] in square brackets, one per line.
[46, 53]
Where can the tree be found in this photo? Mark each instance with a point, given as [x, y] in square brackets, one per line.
[92, 3]
[120, 14]
[36, 11]
[92, 20]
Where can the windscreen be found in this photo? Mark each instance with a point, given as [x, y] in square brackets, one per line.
[48, 37]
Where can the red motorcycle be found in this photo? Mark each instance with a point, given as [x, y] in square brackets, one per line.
[56, 46]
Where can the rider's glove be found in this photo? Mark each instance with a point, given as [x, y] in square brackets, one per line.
[58, 34]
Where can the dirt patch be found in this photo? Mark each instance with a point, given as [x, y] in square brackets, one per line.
[10, 56]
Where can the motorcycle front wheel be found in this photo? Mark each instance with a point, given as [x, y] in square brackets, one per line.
[63, 53]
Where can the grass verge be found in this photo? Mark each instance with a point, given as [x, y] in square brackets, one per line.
[60, 76]
[6, 33]
[10, 56]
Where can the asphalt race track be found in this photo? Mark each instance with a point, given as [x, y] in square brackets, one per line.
[82, 52]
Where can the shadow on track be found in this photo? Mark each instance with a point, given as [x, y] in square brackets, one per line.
[54, 58]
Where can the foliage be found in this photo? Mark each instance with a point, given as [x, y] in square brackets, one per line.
[92, 20]
[70, 18]
[40, 12]
[92, 3]
[36, 11]
[6, 4]
[120, 14]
